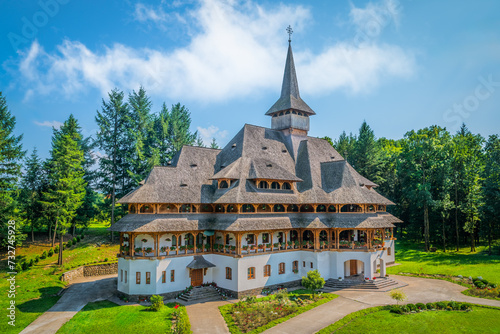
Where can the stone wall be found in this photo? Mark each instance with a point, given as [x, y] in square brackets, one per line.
[91, 270]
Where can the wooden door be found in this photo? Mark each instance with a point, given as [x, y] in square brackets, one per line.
[354, 269]
[196, 277]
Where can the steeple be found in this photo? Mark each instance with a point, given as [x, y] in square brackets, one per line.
[290, 103]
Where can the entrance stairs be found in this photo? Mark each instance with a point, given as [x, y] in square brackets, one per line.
[379, 284]
[205, 293]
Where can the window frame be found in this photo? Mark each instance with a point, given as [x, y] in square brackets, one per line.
[251, 273]
[267, 270]
[164, 276]
[148, 277]
[137, 277]
[172, 275]
[282, 268]
[229, 273]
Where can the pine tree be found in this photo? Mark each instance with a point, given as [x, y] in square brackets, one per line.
[213, 144]
[345, 146]
[113, 139]
[366, 156]
[66, 184]
[491, 190]
[11, 152]
[31, 191]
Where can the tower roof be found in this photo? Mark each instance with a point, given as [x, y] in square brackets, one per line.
[290, 96]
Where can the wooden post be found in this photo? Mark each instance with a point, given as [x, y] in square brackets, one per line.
[121, 242]
[392, 232]
[132, 244]
[157, 244]
[337, 237]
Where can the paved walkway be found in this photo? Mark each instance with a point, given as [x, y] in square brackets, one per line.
[419, 290]
[76, 296]
[206, 318]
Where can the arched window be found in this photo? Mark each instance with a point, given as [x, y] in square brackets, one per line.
[286, 186]
[287, 112]
[292, 208]
[278, 208]
[219, 208]
[294, 235]
[321, 208]
[306, 208]
[174, 240]
[132, 208]
[267, 270]
[332, 208]
[371, 208]
[186, 208]
[248, 208]
[147, 208]
[189, 240]
[351, 208]
[263, 185]
[275, 185]
[223, 184]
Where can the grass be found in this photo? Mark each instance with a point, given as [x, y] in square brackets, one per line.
[373, 320]
[414, 260]
[107, 317]
[36, 288]
[262, 304]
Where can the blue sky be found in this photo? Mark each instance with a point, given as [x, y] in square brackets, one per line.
[399, 65]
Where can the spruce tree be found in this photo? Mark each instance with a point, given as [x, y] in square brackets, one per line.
[66, 184]
[114, 141]
[11, 152]
[345, 146]
[366, 155]
[31, 191]
[491, 191]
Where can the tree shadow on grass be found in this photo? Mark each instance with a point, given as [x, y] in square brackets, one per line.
[39, 305]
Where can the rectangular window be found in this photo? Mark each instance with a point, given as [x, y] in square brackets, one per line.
[311, 265]
[121, 275]
[388, 250]
[295, 266]
[229, 273]
[138, 277]
[164, 277]
[251, 273]
[267, 270]
[172, 275]
[148, 277]
[126, 276]
[250, 239]
[265, 238]
[304, 264]
[282, 268]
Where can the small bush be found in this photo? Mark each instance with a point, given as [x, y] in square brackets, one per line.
[68, 244]
[82, 237]
[492, 285]
[485, 282]
[44, 255]
[440, 305]
[396, 309]
[19, 267]
[50, 253]
[56, 249]
[183, 325]
[411, 307]
[32, 262]
[25, 265]
[480, 285]
[156, 303]
[74, 241]
[37, 258]
[106, 260]
[465, 307]
[420, 306]
[430, 306]
[77, 239]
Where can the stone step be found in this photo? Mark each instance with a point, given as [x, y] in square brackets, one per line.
[377, 284]
[199, 293]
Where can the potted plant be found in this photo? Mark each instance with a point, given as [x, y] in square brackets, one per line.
[228, 247]
[261, 246]
[172, 248]
[190, 247]
[289, 243]
[283, 245]
[233, 248]
[207, 247]
[168, 239]
[163, 249]
[297, 243]
[304, 244]
[276, 244]
[321, 244]
[138, 250]
[182, 248]
[144, 240]
[268, 246]
[199, 247]
[295, 271]
[221, 247]
[149, 250]
[245, 248]
[340, 279]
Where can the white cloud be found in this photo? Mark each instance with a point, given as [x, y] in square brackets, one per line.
[238, 50]
[207, 134]
[50, 124]
[375, 16]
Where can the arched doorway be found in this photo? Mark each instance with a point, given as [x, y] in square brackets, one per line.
[354, 269]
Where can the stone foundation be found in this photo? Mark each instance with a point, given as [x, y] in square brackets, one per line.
[136, 298]
[257, 291]
[86, 271]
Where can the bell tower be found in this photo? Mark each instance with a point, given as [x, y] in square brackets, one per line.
[290, 113]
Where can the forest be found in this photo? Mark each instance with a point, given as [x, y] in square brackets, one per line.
[446, 185]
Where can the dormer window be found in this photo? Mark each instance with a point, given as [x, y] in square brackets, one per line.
[193, 165]
[233, 146]
[223, 184]
[183, 185]
[264, 148]
[269, 165]
[275, 185]
[284, 151]
[287, 113]
[263, 185]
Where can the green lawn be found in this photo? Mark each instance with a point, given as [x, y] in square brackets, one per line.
[37, 287]
[414, 260]
[107, 317]
[480, 320]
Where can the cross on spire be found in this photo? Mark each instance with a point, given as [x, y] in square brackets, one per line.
[290, 32]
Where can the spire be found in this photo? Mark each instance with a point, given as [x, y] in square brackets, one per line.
[290, 97]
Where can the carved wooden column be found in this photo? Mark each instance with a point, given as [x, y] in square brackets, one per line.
[238, 243]
[156, 237]
[337, 238]
[132, 243]
[392, 232]
[316, 237]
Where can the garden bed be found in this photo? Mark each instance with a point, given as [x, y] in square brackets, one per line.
[254, 315]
